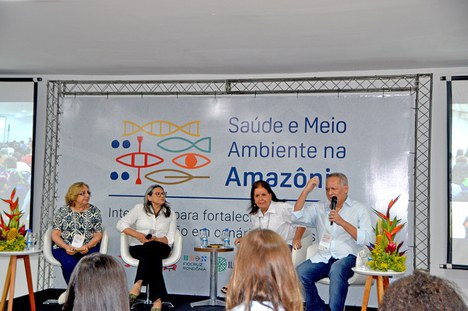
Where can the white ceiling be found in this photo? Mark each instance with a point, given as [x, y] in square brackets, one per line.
[229, 37]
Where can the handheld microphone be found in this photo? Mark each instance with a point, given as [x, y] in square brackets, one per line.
[149, 236]
[333, 205]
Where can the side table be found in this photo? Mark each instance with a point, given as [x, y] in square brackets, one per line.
[382, 283]
[213, 301]
[11, 277]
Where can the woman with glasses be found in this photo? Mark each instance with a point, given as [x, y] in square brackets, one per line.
[151, 226]
[77, 229]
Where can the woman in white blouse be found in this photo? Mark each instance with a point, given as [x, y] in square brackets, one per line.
[151, 226]
[269, 212]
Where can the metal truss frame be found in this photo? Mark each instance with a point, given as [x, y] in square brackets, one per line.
[420, 84]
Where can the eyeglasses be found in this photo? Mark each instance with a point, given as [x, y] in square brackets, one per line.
[84, 192]
[160, 194]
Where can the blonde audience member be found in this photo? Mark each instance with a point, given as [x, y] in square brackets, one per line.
[264, 277]
[97, 283]
[422, 291]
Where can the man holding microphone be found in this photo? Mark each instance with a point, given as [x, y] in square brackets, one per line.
[343, 228]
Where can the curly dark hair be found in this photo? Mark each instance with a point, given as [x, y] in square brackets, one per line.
[422, 291]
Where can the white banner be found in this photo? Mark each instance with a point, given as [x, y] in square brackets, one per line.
[207, 152]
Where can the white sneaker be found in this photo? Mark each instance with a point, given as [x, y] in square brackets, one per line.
[62, 298]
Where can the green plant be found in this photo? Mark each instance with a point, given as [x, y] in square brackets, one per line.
[12, 234]
[385, 253]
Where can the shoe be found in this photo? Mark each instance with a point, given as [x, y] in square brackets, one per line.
[62, 298]
[157, 302]
[132, 298]
[224, 290]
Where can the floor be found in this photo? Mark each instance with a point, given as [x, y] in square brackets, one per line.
[180, 302]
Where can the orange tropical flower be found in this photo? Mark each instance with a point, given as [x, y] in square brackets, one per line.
[385, 253]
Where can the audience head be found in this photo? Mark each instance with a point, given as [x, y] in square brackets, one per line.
[98, 283]
[422, 291]
[264, 272]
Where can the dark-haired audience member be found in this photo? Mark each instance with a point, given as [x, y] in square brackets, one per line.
[97, 283]
[420, 292]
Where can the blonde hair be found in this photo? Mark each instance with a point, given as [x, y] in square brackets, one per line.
[73, 192]
[264, 272]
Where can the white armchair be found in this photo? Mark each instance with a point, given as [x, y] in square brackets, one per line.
[356, 279]
[300, 255]
[173, 258]
[49, 257]
[47, 249]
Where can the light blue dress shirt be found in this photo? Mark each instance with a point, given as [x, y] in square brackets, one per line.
[342, 243]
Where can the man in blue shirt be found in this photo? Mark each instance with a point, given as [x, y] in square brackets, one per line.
[343, 231]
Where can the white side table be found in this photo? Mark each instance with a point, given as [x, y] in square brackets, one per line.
[382, 283]
[11, 277]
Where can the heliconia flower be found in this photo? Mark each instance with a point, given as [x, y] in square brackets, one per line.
[11, 231]
[385, 254]
[383, 216]
[396, 229]
[14, 205]
[389, 236]
[392, 202]
[391, 247]
[11, 215]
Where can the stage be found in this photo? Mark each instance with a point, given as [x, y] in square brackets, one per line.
[180, 302]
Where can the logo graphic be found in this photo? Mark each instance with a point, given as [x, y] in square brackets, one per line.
[143, 160]
[161, 128]
[222, 264]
